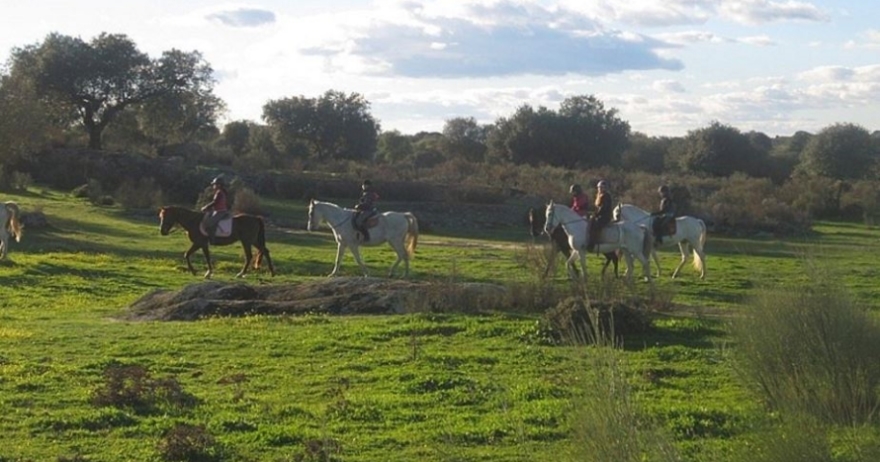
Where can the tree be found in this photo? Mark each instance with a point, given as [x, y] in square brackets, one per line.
[335, 126]
[721, 150]
[842, 151]
[393, 147]
[582, 133]
[96, 81]
[465, 138]
[237, 136]
[645, 153]
[598, 135]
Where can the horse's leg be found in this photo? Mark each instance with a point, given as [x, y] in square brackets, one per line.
[207, 252]
[357, 257]
[402, 256]
[3, 245]
[683, 248]
[583, 258]
[340, 250]
[629, 266]
[186, 257]
[570, 264]
[646, 266]
[248, 256]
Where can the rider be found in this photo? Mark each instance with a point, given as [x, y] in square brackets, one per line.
[604, 209]
[217, 209]
[366, 208]
[662, 216]
[580, 202]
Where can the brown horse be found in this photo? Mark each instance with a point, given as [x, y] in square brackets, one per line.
[247, 229]
[560, 242]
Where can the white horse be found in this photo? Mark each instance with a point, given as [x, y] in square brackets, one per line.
[10, 224]
[689, 232]
[400, 230]
[634, 240]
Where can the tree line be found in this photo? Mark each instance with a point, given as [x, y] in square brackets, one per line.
[108, 95]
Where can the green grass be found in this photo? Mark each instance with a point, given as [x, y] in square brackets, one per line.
[441, 387]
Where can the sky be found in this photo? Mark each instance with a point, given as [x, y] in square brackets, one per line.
[666, 66]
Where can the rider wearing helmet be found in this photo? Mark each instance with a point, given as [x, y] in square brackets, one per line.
[662, 216]
[366, 208]
[217, 209]
[603, 215]
[580, 202]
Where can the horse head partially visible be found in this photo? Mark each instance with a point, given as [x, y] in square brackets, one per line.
[536, 222]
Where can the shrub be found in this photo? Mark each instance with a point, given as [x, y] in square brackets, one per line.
[140, 194]
[576, 320]
[132, 387]
[809, 350]
[247, 201]
[606, 424]
[189, 443]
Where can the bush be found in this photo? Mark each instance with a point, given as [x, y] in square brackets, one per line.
[606, 423]
[132, 387]
[574, 320]
[189, 443]
[809, 350]
[246, 201]
[140, 194]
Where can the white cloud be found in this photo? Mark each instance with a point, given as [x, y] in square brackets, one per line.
[498, 39]
[243, 17]
[668, 86]
[765, 11]
[758, 40]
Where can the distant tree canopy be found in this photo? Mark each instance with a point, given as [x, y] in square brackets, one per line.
[841, 151]
[581, 134]
[722, 150]
[334, 126]
[465, 139]
[92, 82]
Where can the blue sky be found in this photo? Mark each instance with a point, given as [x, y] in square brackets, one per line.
[667, 66]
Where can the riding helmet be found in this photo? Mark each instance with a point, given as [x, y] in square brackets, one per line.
[602, 184]
[663, 189]
[218, 180]
[366, 184]
[575, 189]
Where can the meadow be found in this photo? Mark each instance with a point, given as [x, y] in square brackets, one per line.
[462, 385]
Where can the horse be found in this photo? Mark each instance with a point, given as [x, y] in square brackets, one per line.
[10, 224]
[634, 240]
[399, 229]
[560, 244]
[247, 229]
[689, 232]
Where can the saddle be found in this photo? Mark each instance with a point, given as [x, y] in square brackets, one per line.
[362, 225]
[224, 227]
[665, 227]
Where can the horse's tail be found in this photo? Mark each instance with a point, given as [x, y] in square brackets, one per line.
[14, 220]
[261, 243]
[699, 264]
[412, 233]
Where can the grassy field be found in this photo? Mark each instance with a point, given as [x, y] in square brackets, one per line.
[434, 387]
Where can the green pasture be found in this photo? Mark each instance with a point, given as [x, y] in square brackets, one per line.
[426, 386]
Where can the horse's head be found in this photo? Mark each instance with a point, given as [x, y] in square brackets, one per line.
[536, 222]
[313, 221]
[166, 221]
